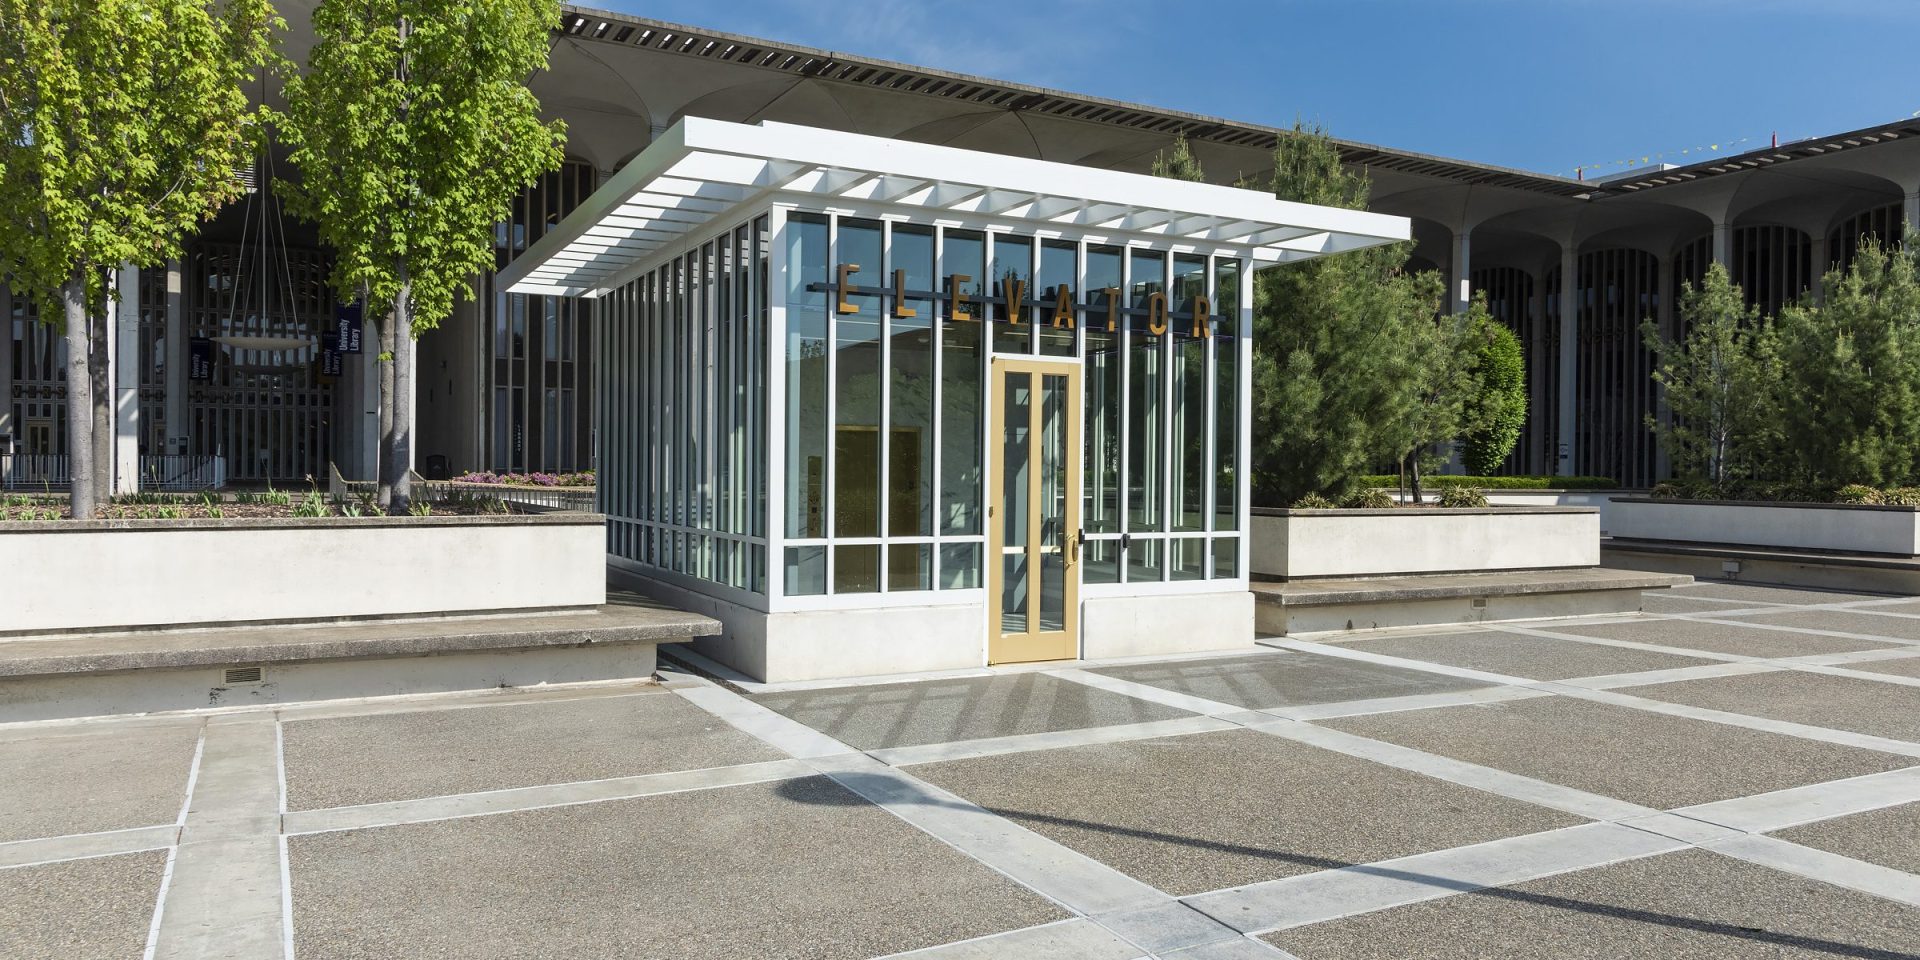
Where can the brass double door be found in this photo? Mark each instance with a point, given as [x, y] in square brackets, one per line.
[1033, 512]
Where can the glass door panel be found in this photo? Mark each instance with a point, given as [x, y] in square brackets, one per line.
[1034, 509]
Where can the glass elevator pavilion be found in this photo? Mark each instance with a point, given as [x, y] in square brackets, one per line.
[883, 406]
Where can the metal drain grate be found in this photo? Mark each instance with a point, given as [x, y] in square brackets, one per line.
[233, 675]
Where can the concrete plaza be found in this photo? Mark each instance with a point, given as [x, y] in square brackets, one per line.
[1734, 774]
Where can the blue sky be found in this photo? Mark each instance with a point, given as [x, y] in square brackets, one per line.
[1545, 85]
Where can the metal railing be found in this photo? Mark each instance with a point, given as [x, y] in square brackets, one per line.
[49, 472]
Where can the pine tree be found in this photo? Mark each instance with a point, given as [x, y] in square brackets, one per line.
[1178, 162]
[1717, 383]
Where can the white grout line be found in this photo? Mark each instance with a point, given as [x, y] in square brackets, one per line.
[1492, 780]
[1147, 692]
[1678, 674]
[1803, 731]
[1071, 939]
[1332, 894]
[1823, 866]
[1791, 807]
[86, 846]
[1405, 663]
[783, 733]
[1809, 631]
[286, 863]
[541, 797]
[1627, 644]
[1418, 701]
[1869, 675]
[1049, 740]
[1852, 656]
[173, 851]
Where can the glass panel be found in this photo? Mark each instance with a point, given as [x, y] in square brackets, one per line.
[1226, 558]
[1059, 266]
[1189, 558]
[910, 365]
[1100, 561]
[909, 566]
[1016, 400]
[961, 389]
[1226, 397]
[1053, 501]
[806, 571]
[857, 453]
[1145, 437]
[1012, 277]
[1146, 560]
[806, 399]
[856, 568]
[959, 566]
[1103, 367]
[1013, 593]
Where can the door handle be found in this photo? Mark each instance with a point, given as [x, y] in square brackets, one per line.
[1074, 540]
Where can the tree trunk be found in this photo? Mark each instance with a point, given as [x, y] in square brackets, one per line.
[73, 300]
[105, 460]
[400, 462]
[1413, 476]
[384, 491]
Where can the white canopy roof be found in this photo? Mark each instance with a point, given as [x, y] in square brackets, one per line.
[701, 169]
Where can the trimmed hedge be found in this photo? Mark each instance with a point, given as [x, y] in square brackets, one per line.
[1439, 481]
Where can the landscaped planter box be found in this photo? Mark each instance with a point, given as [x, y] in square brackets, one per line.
[1291, 544]
[1835, 527]
[1601, 500]
[67, 574]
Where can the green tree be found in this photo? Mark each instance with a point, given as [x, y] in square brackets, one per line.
[1439, 374]
[1852, 411]
[121, 125]
[1178, 162]
[1718, 384]
[1497, 407]
[412, 129]
[1337, 363]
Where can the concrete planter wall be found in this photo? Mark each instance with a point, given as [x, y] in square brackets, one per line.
[64, 575]
[1291, 544]
[1835, 527]
[1601, 500]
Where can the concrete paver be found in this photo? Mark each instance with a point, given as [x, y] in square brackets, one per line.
[1902, 667]
[1202, 812]
[800, 869]
[1768, 593]
[1286, 678]
[1647, 758]
[1690, 905]
[1819, 700]
[95, 909]
[1889, 837]
[403, 756]
[1719, 637]
[971, 708]
[100, 779]
[1536, 658]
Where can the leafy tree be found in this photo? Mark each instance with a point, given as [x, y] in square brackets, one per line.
[1497, 409]
[1719, 384]
[412, 128]
[1439, 375]
[1338, 341]
[121, 124]
[1851, 413]
[1178, 162]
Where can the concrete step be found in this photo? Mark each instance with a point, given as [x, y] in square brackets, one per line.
[1368, 603]
[122, 672]
[1872, 573]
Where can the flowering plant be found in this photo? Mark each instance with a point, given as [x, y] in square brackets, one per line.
[583, 478]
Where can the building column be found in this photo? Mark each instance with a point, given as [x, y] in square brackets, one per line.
[124, 345]
[1911, 206]
[357, 404]
[1539, 405]
[1462, 292]
[1569, 354]
[1723, 244]
[9, 432]
[1662, 463]
[1821, 257]
[179, 437]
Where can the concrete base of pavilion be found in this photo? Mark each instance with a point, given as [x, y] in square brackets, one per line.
[799, 646]
[1369, 603]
